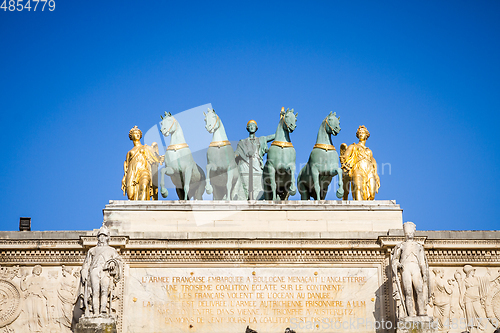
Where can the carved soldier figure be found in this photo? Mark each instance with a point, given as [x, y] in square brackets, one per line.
[251, 151]
[99, 274]
[411, 271]
[140, 169]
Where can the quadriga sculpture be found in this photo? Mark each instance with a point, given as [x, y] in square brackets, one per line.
[279, 171]
[187, 176]
[223, 178]
[323, 164]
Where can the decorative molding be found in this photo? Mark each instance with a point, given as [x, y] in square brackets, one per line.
[391, 241]
[460, 257]
[115, 241]
[252, 244]
[39, 244]
[253, 256]
[463, 243]
[42, 256]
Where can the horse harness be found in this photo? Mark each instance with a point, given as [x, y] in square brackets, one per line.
[282, 116]
[219, 144]
[174, 122]
[217, 122]
[177, 146]
[282, 144]
[326, 121]
[324, 146]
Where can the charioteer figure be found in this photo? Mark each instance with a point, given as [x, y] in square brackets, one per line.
[250, 159]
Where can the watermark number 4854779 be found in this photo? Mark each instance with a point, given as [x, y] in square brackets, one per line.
[27, 5]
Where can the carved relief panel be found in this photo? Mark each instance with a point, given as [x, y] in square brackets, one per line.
[38, 299]
[465, 298]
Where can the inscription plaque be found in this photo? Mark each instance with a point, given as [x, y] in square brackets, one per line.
[266, 299]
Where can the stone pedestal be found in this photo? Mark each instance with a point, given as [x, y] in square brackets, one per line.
[322, 216]
[422, 324]
[96, 325]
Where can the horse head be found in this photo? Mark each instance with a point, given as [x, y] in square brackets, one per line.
[289, 120]
[167, 124]
[332, 123]
[212, 121]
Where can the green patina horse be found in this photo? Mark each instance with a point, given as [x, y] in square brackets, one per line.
[186, 175]
[223, 177]
[279, 171]
[323, 164]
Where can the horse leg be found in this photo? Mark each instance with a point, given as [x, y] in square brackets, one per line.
[208, 186]
[323, 194]
[163, 190]
[302, 183]
[315, 179]
[347, 183]
[292, 189]
[340, 189]
[198, 193]
[229, 183]
[272, 180]
[217, 193]
[187, 180]
[180, 193]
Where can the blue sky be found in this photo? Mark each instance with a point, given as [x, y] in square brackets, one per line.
[423, 77]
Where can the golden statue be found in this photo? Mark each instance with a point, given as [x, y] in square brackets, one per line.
[141, 169]
[359, 168]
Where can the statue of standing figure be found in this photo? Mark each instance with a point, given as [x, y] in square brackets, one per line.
[99, 274]
[67, 298]
[36, 300]
[360, 168]
[411, 272]
[441, 299]
[250, 159]
[141, 169]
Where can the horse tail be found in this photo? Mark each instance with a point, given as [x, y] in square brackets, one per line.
[202, 174]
